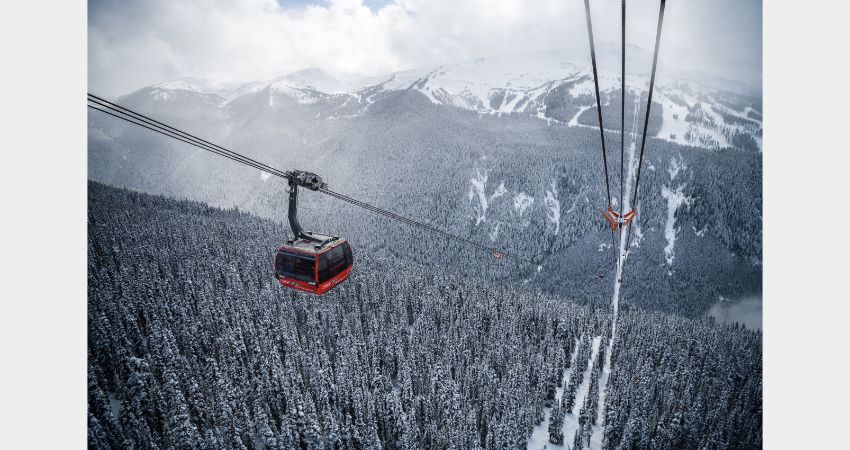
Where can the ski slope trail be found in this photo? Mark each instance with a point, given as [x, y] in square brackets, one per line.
[571, 419]
[540, 435]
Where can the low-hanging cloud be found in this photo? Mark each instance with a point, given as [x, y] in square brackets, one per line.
[133, 43]
[746, 311]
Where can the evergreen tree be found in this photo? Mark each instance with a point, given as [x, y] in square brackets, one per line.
[556, 421]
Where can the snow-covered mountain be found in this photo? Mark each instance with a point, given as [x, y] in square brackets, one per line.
[500, 150]
[689, 109]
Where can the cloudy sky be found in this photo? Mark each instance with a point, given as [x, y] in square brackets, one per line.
[135, 43]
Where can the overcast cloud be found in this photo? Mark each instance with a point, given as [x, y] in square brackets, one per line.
[135, 43]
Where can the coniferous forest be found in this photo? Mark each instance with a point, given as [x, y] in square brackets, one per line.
[193, 344]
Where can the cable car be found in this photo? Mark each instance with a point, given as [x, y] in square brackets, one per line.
[310, 262]
[305, 266]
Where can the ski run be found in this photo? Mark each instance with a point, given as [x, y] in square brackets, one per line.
[540, 435]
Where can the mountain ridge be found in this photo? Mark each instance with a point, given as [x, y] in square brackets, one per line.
[545, 86]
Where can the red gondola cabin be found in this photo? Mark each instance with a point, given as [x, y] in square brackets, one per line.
[305, 266]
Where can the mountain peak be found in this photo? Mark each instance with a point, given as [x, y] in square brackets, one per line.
[320, 80]
[195, 84]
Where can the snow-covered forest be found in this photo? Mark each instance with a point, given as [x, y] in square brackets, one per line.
[192, 344]
[505, 153]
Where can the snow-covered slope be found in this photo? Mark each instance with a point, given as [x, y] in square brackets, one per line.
[321, 81]
[494, 86]
[552, 86]
[166, 91]
[693, 113]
